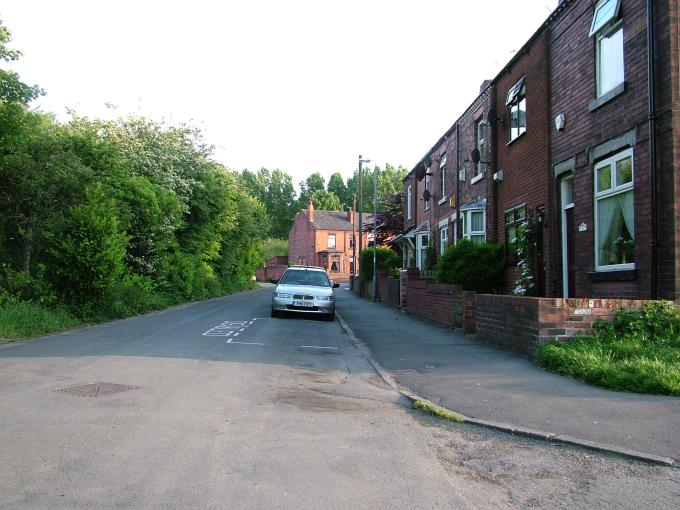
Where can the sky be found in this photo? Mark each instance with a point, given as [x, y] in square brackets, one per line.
[298, 85]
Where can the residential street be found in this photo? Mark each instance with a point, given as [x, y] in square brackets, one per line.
[224, 407]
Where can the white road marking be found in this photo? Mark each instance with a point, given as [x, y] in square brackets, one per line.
[318, 347]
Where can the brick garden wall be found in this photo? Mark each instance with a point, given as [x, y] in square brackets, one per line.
[522, 323]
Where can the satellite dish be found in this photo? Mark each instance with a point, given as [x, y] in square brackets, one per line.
[420, 171]
[491, 116]
[475, 156]
[426, 195]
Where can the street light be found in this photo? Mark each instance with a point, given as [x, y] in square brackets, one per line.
[357, 263]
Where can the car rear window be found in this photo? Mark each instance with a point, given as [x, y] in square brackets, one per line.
[304, 277]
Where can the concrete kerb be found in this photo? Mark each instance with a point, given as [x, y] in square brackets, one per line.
[503, 427]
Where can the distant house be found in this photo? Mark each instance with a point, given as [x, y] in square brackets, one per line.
[326, 239]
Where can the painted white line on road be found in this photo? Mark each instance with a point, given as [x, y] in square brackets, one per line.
[244, 343]
[318, 347]
[236, 334]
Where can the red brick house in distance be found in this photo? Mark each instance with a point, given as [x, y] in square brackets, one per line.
[326, 239]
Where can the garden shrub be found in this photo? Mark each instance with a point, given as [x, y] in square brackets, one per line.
[388, 260]
[475, 266]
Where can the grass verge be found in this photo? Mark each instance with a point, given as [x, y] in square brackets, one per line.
[639, 352]
[23, 319]
[437, 411]
[622, 364]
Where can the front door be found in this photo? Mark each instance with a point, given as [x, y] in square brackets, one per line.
[568, 230]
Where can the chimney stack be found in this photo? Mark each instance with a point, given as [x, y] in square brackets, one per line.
[310, 211]
[350, 216]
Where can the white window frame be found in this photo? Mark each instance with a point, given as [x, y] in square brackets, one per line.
[479, 126]
[442, 173]
[613, 191]
[467, 224]
[443, 238]
[607, 33]
[421, 247]
[426, 206]
[335, 241]
[408, 203]
[612, 14]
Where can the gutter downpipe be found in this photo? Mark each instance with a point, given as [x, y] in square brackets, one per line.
[456, 233]
[652, 146]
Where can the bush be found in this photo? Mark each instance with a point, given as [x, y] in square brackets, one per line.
[475, 266]
[20, 319]
[388, 260]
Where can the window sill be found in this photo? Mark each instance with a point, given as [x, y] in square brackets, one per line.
[608, 96]
[620, 275]
[442, 201]
[516, 138]
[477, 178]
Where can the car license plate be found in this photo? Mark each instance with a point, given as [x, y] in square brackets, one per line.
[303, 303]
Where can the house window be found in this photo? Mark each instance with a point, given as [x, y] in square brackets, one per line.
[442, 173]
[408, 203]
[516, 102]
[474, 225]
[443, 238]
[422, 242]
[351, 241]
[614, 229]
[513, 221]
[427, 188]
[479, 136]
[608, 46]
[334, 266]
[331, 240]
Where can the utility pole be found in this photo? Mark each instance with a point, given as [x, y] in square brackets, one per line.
[354, 244]
[375, 233]
[361, 227]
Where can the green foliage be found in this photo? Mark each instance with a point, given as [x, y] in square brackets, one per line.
[639, 352]
[475, 266]
[12, 89]
[273, 248]
[325, 201]
[387, 259]
[526, 257]
[430, 262]
[337, 186]
[275, 190]
[20, 319]
[87, 249]
[112, 218]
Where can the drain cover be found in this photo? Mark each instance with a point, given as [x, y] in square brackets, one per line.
[96, 389]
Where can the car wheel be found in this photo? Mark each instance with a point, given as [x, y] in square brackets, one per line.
[330, 317]
[275, 313]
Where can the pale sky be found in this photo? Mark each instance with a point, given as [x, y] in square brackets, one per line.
[298, 85]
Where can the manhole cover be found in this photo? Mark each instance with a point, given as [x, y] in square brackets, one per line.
[96, 389]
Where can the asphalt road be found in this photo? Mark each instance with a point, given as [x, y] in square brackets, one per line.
[216, 405]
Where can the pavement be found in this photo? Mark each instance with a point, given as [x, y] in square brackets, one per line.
[496, 388]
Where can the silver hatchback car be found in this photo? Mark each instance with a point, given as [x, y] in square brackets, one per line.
[304, 289]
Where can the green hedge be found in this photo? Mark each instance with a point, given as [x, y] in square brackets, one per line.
[387, 259]
[475, 266]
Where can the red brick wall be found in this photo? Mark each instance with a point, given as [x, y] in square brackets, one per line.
[573, 84]
[525, 161]
[522, 323]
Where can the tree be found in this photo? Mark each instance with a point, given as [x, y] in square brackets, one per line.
[12, 89]
[315, 182]
[390, 222]
[336, 185]
[326, 201]
[275, 190]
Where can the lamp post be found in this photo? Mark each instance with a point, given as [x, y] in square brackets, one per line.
[361, 223]
[375, 233]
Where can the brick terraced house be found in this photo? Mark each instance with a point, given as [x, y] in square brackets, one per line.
[326, 239]
[581, 132]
